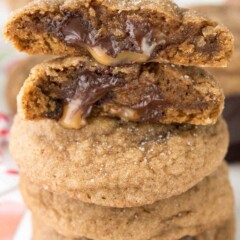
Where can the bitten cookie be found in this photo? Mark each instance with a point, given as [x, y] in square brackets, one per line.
[118, 164]
[226, 231]
[16, 75]
[205, 206]
[118, 32]
[229, 78]
[69, 90]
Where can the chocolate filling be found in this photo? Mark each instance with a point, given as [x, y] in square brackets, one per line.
[136, 34]
[86, 90]
[91, 90]
[232, 116]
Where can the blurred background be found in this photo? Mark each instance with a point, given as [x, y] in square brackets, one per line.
[15, 67]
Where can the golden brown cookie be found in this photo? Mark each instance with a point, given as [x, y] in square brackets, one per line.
[113, 163]
[205, 206]
[16, 75]
[71, 89]
[117, 32]
[224, 232]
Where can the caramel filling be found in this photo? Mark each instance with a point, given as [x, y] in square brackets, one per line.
[125, 57]
[95, 92]
[138, 43]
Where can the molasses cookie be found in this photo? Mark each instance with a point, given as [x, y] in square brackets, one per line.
[225, 231]
[208, 204]
[118, 164]
[118, 32]
[70, 90]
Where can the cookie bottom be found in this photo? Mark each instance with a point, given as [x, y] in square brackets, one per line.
[226, 231]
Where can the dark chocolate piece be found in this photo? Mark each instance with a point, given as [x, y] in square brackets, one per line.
[232, 116]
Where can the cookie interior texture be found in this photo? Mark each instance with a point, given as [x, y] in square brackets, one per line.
[208, 204]
[109, 30]
[72, 89]
[113, 163]
[226, 231]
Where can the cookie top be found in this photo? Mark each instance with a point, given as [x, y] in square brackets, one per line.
[119, 32]
[16, 75]
[205, 206]
[70, 90]
[226, 231]
[118, 164]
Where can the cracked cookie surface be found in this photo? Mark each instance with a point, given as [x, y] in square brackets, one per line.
[118, 164]
[109, 31]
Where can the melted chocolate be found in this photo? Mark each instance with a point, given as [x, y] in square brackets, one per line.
[94, 89]
[76, 31]
[150, 107]
[89, 88]
[232, 116]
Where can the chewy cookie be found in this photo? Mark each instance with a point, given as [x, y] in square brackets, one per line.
[16, 75]
[226, 231]
[72, 89]
[229, 78]
[205, 206]
[118, 164]
[117, 32]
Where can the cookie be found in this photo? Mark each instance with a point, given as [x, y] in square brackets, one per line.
[118, 164]
[16, 75]
[72, 89]
[226, 231]
[229, 78]
[17, 4]
[118, 32]
[205, 206]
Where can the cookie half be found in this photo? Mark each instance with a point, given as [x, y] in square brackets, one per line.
[226, 231]
[118, 164]
[118, 32]
[70, 90]
[205, 206]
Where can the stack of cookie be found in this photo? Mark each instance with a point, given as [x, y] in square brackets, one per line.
[127, 143]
